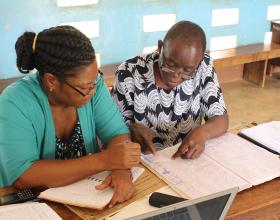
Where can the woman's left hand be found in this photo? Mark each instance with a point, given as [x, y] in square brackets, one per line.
[192, 145]
[121, 181]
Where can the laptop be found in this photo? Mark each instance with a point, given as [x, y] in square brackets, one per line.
[211, 207]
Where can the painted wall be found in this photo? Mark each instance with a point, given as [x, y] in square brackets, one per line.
[121, 23]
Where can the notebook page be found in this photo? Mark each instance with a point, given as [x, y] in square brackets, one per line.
[83, 192]
[192, 178]
[252, 163]
[28, 211]
[267, 134]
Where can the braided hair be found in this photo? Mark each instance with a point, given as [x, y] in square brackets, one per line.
[58, 50]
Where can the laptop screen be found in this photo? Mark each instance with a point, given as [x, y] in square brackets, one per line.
[211, 209]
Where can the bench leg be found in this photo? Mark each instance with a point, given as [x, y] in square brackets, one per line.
[255, 72]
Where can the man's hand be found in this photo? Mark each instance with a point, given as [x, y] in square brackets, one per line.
[122, 155]
[121, 181]
[143, 136]
[192, 145]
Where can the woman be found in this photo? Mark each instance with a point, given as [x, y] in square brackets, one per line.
[50, 120]
[163, 96]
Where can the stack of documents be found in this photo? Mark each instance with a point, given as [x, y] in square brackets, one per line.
[227, 161]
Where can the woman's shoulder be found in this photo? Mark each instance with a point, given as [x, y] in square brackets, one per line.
[24, 91]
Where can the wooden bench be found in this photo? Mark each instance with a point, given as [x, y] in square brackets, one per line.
[254, 57]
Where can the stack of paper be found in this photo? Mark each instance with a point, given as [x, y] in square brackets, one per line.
[228, 161]
[83, 193]
[28, 211]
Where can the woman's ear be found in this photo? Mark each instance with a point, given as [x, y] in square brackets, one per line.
[160, 45]
[50, 81]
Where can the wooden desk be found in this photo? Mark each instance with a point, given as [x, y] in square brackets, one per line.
[260, 202]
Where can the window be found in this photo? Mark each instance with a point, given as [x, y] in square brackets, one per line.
[223, 42]
[222, 17]
[89, 28]
[163, 22]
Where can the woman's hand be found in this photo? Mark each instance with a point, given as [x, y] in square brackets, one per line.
[192, 145]
[122, 155]
[121, 181]
[143, 136]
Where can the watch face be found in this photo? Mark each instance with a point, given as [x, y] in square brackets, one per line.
[7, 199]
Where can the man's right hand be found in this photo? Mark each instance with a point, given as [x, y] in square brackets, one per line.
[123, 155]
[143, 136]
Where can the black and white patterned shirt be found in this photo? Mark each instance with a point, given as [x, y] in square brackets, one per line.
[73, 148]
[172, 113]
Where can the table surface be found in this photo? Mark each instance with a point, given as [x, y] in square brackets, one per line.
[258, 202]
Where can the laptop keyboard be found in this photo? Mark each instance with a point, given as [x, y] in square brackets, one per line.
[179, 214]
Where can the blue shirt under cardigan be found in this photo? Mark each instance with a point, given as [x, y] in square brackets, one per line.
[27, 131]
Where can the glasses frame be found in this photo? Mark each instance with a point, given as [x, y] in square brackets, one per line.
[97, 80]
[184, 75]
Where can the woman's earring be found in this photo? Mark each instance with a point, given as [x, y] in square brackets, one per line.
[51, 89]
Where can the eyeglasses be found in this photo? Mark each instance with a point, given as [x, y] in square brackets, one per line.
[172, 70]
[89, 89]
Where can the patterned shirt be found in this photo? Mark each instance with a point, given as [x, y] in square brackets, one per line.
[73, 148]
[170, 113]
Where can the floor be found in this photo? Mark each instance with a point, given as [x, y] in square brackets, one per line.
[248, 103]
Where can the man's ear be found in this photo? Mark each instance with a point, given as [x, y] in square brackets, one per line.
[50, 81]
[160, 45]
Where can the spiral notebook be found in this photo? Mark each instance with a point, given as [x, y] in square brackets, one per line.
[83, 192]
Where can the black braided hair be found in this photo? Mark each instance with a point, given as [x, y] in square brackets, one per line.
[189, 32]
[58, 50]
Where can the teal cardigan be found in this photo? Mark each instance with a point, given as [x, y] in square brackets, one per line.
[27, 132]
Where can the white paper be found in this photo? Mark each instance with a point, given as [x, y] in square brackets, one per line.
[140, 206]
[83, 193]
[28, 211]
[267, 134]
[193, 178]
[252, 163]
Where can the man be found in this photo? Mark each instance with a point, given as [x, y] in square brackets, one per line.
[163, 96]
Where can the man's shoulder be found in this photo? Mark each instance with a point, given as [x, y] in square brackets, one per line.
[207, 59]
[139, 61]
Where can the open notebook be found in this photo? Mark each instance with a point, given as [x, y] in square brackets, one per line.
[83, 192]
[228, 161]
[265, 135]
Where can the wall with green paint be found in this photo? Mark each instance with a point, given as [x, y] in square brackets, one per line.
[121, 23]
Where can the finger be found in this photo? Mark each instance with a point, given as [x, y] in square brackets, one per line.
[104, 184]
[191, 151]
[149, 144]
[177, 154]
[183, 148]
[198, 152]
[115, 199]
[184, 156]
[130, 194]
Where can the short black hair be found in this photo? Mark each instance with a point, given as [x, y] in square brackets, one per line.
[58, 50]
[189, 32]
